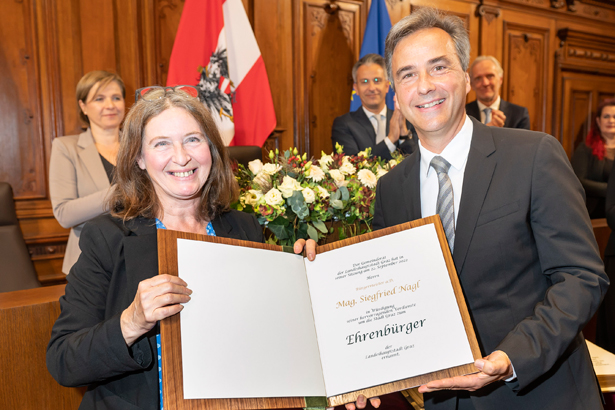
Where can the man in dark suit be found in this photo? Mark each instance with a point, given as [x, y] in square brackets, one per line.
[373, 125]
[520, 236]
[486, 77]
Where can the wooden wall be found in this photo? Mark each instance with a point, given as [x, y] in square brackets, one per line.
[558, 57]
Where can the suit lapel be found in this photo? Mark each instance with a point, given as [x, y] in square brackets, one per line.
[505, 108]
[91, 159]
[140, 251]
[412, 186]
[360, 117]
[472, 110]
[477, 178]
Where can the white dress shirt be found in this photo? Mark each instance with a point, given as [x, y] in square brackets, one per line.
[379, 122]
[456, 153]
[481, 108]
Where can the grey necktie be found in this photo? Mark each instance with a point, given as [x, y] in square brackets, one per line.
[487, 112]
[382, 127]
[445, 207]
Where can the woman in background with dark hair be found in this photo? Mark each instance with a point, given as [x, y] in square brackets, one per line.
[592, 161]
[81, 166]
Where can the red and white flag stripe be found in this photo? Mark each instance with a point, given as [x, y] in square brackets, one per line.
[209, 26]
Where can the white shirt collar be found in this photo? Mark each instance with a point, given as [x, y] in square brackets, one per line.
[456, 152]
[370, 114]
[496, 105]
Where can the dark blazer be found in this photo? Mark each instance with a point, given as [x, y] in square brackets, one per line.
[355, 132]
[527, 261]
[86, 346]
[516, 115]
[594, 175]
[605, 330]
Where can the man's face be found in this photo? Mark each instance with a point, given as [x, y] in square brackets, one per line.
[372, 86]
[485, 81]
[430, 85]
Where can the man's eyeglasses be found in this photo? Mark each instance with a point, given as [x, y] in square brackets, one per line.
[156, 92]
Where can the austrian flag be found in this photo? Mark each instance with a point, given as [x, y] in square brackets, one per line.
[215, 50]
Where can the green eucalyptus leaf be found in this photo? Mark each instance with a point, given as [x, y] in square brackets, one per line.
[312, 232]
[337, 204]
[345, 193]
[320, 225]
[296, 200]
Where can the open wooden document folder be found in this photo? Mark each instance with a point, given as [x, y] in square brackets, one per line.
[373, 314]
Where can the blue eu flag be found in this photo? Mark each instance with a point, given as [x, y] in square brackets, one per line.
[376, 30]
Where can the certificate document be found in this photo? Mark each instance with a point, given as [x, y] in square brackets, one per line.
[371, 315]
[385, 310]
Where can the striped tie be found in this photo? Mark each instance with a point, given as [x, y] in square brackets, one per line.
[445, 206]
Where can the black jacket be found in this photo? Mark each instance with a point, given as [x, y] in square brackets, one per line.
[356, 133]
[86, 346]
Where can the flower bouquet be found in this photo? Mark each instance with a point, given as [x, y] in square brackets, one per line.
[295, 198]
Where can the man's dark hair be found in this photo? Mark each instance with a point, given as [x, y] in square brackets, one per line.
[368, 59]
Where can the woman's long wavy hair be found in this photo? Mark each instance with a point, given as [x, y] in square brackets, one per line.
[594, 139]
[134, 194]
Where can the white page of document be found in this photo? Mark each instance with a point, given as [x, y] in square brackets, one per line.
[248, 330]
[397, 282]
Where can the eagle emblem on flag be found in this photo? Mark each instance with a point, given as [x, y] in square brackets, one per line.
[217, 90]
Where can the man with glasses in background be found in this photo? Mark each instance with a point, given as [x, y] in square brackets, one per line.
[373, 125]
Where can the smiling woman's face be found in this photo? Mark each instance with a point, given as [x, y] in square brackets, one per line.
[104, 106]
[176, 156]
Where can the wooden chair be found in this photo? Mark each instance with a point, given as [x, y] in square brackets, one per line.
[244, 154]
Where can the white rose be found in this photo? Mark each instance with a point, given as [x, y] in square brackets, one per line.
[345, 159]
[289, 185]
[325, 160]
[338, 177]
[308, 195]
[381, 172]
[255, 166]
[392, 163]
[367, 178]
[322, 193]
[274, 197]
[316, 173]
[252, 196]
[347, 168]
[271, 169]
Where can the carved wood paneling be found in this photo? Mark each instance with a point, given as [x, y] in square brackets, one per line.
[275, 40]
[327, 44]
[526, 47]
[22, 157]
[167, 14]
[580, 119]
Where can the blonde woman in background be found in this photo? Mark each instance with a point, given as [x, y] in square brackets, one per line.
[82, 166]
